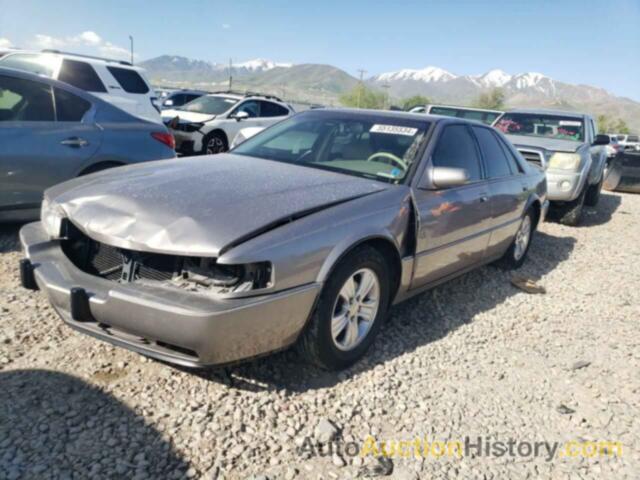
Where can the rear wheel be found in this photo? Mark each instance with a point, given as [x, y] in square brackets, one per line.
[517, 252]
[214, 143]
[350, 311]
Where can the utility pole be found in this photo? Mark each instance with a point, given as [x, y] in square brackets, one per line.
[361, 86]
[230, 75]
[131, 42]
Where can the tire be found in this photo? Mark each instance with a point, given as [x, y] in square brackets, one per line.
[98, 167]
[335, 350]
[214, 143]
[516, 254]
[593, 193]
[571, 212]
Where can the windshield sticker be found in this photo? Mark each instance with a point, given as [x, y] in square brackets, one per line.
[570, 123]
[393, 130]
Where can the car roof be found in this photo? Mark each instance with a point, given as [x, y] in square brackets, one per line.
[78, 56]
[394, 114]
[541, 111]
[460, 107]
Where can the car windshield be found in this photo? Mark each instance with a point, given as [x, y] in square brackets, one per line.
[546, 126]
[364, 145]
[209, 104]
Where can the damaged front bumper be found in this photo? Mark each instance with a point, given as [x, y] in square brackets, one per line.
[168, 324]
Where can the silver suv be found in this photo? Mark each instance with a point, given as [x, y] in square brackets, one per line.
[566, 145]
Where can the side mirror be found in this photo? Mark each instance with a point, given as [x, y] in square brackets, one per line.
[602, 140]
[445, 177]
[240, 116]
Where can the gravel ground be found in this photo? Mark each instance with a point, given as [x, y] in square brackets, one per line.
[474, 357]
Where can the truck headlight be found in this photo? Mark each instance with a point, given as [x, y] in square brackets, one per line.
[564, 161]
[51, 216]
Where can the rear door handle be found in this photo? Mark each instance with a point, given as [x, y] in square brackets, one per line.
[484, 198]
[75, 142]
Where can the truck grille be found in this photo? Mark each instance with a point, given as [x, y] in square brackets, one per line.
[118, 264]
[532, 156]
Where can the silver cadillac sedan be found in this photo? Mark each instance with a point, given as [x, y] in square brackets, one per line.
[305, 234]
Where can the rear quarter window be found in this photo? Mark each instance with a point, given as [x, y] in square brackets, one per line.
[129, 80]
[69, 107]
[81, 75]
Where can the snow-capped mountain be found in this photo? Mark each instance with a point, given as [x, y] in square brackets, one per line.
[428, 74]
[261, 65]
[491, 79]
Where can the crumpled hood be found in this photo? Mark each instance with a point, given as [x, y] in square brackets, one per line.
[551, 144]
[186, 117]
[199, 206]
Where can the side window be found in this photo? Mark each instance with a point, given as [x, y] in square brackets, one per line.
[270, 109]
[250, 106]
[188, 97]
[176, 101]
[80, 75]
[494, 157]
[457, 149]
[516, 167]
[24, 100]
[69, 107]
[129, 80]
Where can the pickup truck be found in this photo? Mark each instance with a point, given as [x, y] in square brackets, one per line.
[567, 147]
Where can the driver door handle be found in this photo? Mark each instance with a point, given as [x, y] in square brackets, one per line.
[484, 198]
[75, 142]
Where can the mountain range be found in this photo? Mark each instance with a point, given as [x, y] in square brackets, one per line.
[325, 83]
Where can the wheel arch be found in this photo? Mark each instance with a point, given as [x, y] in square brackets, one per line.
[535, 204]
[384, 244]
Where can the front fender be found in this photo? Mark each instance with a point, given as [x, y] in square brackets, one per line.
[305, 250]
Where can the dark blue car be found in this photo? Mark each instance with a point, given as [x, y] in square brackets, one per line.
[51, 132]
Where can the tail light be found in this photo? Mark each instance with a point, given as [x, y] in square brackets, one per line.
[166, 138]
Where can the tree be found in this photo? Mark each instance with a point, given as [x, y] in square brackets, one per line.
[362, 97]
[607, 124]
[414, 101]
[492, 100]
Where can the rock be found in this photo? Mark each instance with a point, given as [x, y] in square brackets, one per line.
[527, 284]
[564, 410]
[337, 460]
[325, 431]
[580, 364]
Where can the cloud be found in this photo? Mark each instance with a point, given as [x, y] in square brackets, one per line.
[46, 41]
[87, 42]
[88, 38]
[108, 49]
[5, 43]
[226, 26]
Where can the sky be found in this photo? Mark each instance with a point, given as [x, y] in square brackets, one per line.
[594, 42]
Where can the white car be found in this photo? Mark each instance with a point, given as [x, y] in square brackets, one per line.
[114, 81]
[629, 142]
[209, 124]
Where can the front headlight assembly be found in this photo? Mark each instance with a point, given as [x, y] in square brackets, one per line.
[565, 161]
[51, 216]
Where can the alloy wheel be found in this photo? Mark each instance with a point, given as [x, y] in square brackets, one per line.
[355, 309]
[522, 238]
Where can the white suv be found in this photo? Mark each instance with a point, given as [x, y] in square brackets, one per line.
[208, 125]
[116, 82]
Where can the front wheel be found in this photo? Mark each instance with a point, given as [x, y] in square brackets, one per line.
[214, 143]
[593, 193]
[350, 311]
[570, 213]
